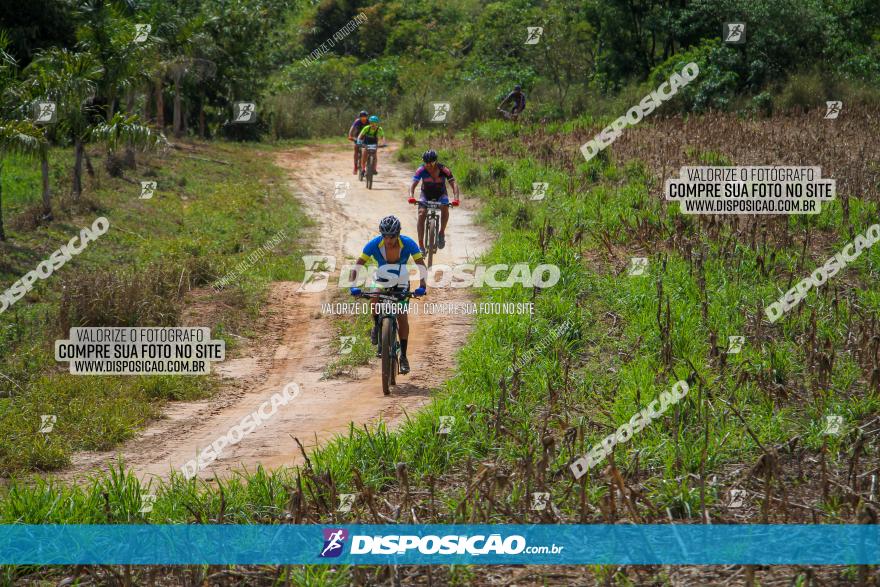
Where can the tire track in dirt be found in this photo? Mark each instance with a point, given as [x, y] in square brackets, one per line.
[297, 341]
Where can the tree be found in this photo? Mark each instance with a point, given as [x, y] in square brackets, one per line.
[70, 80]
[13, 102]
[566, 52]
[23, 138]
[110, 37]
[126, 131]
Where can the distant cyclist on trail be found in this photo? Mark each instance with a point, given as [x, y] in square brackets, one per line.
[369, 135]
[392, 250]
[433, 176]
[353, 132]
[517, 98]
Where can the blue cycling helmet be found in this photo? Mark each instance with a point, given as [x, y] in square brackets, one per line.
[374, 118]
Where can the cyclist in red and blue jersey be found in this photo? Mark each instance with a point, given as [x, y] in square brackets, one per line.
[391, 251]
[433, 175]
[359, 123]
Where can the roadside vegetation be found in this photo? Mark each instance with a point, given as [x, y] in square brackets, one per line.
[749, 443]
[214, 205]
[753, 422]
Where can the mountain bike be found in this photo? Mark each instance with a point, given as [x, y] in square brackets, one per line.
[389, 307]
[432, 227]
[369, 170]
[509, 115]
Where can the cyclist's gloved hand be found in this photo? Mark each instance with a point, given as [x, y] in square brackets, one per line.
[355, 291]
[420, 291]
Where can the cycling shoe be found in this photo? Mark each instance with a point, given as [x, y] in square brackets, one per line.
[441, 240]
[404, 366]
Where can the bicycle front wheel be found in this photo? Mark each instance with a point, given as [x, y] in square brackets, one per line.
[387, 352]
[432, 240]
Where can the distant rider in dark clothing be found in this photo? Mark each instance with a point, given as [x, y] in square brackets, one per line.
[517, 98]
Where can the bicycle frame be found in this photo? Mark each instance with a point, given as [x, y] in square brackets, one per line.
[368, 170]
[390, 357]
[433, 221]
[509, 115]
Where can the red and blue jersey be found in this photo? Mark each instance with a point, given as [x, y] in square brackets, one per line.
[433, 188]
[357, 125]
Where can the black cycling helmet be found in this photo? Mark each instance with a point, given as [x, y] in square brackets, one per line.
[389, 226]
[363, 113]
[517, 88]
[430, 156]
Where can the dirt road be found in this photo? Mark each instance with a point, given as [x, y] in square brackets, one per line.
[298, 341]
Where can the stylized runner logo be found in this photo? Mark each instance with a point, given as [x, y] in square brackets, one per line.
[832, 425]
[47, 423]
[317, 275]
[441, 111]
[334, 540]
[540, 499]
[446, 424]
[141, 32]
[148, 188]
[340, 190]
[244, 112]
[735, 33]
[735, 344]
[539, 190]
[147, 501]
[834, 108]
[345, 502]
[533, 34]
[45, 112]
[346, 344]
[638, 266]
[737, 498]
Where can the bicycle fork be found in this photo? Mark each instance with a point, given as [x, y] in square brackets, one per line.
[395, 349]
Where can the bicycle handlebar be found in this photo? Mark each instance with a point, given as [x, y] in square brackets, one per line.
[392, 295]
[431, 204]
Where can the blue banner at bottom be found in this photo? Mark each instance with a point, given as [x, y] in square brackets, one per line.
[441, 544]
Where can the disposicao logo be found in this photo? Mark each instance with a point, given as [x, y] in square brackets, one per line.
[334, 540]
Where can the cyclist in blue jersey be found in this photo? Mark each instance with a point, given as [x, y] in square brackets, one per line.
[391, 251]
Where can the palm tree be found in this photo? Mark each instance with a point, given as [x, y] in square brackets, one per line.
[69, 79]
[126, 131]
[13, 99]
[111, 37]
[23, 138]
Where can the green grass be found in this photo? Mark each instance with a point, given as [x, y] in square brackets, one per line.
[587, 381]
[355, 352]
[205, 218]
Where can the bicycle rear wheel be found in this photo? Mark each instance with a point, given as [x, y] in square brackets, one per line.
[371, 165]
[387, 353]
